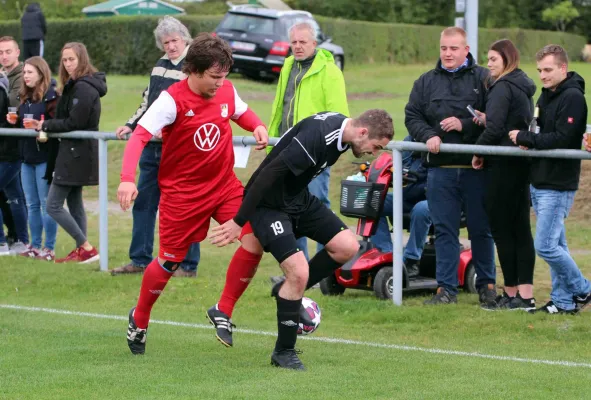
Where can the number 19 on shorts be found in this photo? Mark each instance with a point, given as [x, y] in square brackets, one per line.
[277, 228]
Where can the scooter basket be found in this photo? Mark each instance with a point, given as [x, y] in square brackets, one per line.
[361, 199]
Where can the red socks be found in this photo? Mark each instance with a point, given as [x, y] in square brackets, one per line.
[240, 272]
[153, 283]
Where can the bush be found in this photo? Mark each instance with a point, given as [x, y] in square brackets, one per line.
[125, 45]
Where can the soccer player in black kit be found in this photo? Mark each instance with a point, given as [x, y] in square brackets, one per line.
[278, 208]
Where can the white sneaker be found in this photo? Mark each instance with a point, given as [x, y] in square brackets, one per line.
[18, 248]
[4, 250]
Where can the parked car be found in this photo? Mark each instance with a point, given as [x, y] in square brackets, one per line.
[259, 38]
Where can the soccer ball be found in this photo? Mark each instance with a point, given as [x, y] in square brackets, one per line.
[309, 317]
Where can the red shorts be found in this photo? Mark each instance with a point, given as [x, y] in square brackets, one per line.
[184, 224]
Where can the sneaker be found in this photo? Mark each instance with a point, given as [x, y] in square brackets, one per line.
[72, 257]
[4, 249]
[412, 268]
[223, 325]
[31, 252]
[287, 358]
[519, 303]
[46, 255]
[18, 248]
[136, 337]
[181, 273]
[551, 308]
[442, 297]
[581, 302]
[87, 256]
[500, 303]
[128, 269]
[487, 295]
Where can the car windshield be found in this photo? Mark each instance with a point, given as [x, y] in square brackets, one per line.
[248, 23]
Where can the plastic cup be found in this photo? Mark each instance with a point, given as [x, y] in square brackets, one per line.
[11, 110]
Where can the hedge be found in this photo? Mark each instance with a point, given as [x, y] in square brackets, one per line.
[125, 45]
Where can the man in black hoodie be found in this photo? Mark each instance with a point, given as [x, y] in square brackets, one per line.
[554, 182]
[436, 113]
[34, 29]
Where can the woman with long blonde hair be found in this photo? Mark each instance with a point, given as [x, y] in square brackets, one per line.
[509, 105]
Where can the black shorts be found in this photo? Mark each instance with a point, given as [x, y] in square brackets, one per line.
[278, 230]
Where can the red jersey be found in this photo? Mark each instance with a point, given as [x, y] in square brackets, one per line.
[197, 151]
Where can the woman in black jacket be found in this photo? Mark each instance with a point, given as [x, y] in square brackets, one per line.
[38, 96]
[509, 105]
[76, 163]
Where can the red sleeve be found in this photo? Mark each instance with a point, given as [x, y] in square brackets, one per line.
[249, 121]
[133, 151]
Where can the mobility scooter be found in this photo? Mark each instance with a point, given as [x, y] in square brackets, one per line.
[371, 269]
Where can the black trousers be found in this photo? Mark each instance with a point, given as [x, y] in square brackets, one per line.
[7, 216]
[508, 209]
[31, 48]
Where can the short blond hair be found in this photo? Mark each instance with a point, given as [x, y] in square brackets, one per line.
[454, 30]
[560, 55]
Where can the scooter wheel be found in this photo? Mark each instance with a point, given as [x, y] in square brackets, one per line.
[330, 287]
[383, 283]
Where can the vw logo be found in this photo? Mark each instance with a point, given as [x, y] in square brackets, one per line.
[207, 137]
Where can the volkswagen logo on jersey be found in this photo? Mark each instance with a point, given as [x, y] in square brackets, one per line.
[207, 137]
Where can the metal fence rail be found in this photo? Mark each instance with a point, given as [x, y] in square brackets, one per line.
[396, 147]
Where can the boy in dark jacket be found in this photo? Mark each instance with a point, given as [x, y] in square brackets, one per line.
[554, 182]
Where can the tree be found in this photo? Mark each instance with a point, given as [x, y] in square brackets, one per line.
[561, 14]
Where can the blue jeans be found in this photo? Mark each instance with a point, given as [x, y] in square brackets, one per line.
[319, 188]
[420, 222]
[36, 189]
[10, 183]
[144, 212]
[449, 190]
[552, 208]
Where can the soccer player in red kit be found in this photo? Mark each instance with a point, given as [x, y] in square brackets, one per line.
[196, 177]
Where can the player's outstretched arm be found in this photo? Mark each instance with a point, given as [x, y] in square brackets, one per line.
[249, 121]
[127, 191]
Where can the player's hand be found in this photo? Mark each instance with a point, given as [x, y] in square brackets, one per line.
[433, 144]
[122, 131]
[513, 136]
[261, 136]
[225, 234]
[477, 162]
[451, 124]
[126, 193]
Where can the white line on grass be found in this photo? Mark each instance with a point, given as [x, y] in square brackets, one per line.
[316, 339]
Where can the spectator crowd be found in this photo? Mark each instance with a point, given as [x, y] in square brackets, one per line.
[494, 193]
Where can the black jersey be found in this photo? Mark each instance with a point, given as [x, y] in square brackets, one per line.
[308, 148]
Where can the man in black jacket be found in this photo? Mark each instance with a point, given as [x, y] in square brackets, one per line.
[554, 182]
[436, 113]
[34, 30]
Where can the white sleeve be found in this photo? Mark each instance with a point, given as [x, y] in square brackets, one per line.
[240, 106]
[160, 114]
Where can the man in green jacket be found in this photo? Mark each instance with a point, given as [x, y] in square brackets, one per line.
[309, 83]
[9, 53]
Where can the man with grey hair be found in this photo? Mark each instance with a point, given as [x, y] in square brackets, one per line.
[309, 83]
[173, 38]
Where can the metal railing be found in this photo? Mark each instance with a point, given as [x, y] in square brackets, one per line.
[396, 147]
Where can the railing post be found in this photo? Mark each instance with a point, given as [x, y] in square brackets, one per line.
[397, 222]
[103, 206]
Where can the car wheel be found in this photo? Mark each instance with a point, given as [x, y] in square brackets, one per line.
[338, 60]
[330, 287]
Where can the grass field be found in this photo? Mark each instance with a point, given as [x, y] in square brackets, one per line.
[365, 348]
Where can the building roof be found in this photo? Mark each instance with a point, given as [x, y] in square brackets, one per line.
[113, 5]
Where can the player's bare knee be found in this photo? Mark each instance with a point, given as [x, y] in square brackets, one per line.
[343, 246]
[251, 244]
